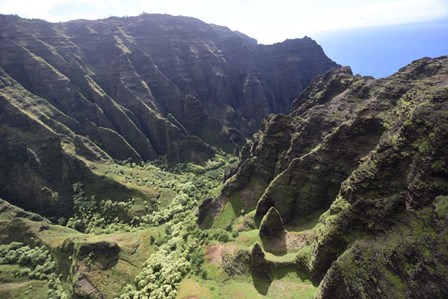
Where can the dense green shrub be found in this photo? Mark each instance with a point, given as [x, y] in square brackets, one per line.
[179, 250]
[36, 263]
[92, 216]
[37, 260]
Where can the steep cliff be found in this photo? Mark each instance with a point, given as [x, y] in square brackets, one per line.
[370, 157]
[166, 85]
[41, 157]
[132, 89]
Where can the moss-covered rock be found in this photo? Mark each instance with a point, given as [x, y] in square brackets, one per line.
[406, 262]
[271, 226]
[260, 267]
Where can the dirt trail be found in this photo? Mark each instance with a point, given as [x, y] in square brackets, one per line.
[214, 253]
[15, 285]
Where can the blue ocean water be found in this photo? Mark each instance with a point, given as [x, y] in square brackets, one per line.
[381, 51]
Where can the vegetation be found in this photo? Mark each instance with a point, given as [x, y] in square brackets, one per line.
[175, 251]
[348, 193]
[96, 217]
[36, 263]
[177, 242]
[37, 260]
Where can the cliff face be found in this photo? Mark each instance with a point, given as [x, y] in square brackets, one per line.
[41, 157]
[165, 85]
[133, 88]
[373, 155]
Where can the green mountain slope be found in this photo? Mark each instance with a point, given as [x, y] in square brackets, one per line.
[373, 155]
[345, 196]
[132, 89]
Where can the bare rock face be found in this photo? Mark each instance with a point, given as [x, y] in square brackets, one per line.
[84, 289]
[102, 254]
[373, 155]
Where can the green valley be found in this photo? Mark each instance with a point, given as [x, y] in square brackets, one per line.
[163, 157]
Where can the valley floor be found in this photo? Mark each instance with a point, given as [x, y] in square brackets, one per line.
[145, 247]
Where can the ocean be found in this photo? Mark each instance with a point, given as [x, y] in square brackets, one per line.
[381, 51]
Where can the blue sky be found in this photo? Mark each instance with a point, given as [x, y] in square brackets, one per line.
[266, 20]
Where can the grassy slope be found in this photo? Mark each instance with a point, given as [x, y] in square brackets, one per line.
[287, 281]
[19, 287]
[138, 244]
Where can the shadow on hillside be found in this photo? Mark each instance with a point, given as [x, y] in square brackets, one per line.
[261, 284]
[276, 246]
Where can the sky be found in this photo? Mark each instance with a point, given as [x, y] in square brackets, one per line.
[268, 21]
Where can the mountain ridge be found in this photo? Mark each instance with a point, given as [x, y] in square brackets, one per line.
[118, 177]
[172, 36]
[141, 88]
[369, 156]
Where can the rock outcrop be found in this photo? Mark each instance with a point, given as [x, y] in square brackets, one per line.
[272, 225]
[373, 155]
[260, 267]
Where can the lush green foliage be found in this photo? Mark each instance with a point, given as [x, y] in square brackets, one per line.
[179, 250]
[92, 216]
[37, 260]
[190, 183]
[37, 264]
[164, 270]
[178, 246]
